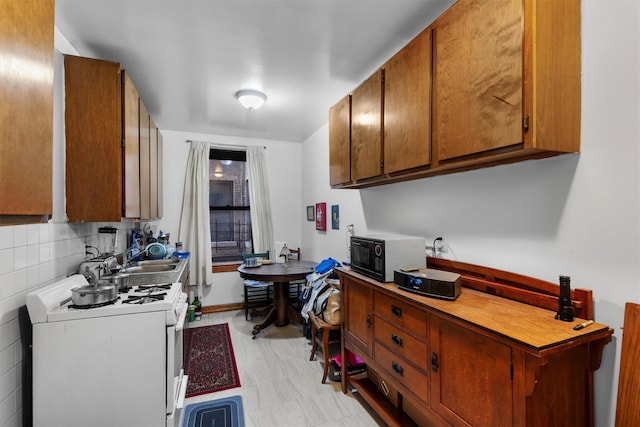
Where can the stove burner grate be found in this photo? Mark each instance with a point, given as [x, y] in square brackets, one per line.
[88, 306]
[153, 288]
[144, 299]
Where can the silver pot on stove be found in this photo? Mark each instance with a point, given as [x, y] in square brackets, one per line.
[90, 295]
[120, 280]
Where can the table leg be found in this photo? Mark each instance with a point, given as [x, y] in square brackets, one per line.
[281, 312]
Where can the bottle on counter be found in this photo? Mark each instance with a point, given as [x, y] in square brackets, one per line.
[198, 308]
[192, 313]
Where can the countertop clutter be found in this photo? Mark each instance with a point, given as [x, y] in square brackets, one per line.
[501, 331]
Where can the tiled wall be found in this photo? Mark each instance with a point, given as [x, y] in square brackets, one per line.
[31, 256]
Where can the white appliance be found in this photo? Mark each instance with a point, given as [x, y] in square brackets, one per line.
[118, 364]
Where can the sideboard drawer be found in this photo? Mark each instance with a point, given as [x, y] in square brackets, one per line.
[401, 314]
[401, 343]
[402, 371]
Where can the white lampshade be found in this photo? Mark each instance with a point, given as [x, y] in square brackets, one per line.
[251, 99]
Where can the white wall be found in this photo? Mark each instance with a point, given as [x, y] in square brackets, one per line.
[576, 215]
[284, 176]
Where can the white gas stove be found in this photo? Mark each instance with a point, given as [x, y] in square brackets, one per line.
[111, 365]
[53, 303]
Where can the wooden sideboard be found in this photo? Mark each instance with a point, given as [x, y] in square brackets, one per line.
[495, 356]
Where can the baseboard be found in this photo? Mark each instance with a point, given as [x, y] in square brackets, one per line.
[223, 307]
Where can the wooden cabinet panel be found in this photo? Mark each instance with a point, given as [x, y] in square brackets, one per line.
[112, 152]
[407, 106]
[160, 174]
[154, 169]
[478, 77]
[401, 314]
[470, 374]
[340, 142]
[145, 163]
[358, 314]
[366, 128]
[26, 110]
[93, 120]
[402, 371]
[131, 125]
[402, 342]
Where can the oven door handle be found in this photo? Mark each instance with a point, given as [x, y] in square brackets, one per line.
[182, 316]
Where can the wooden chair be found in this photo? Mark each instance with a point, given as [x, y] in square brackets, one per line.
[321, 333]
[256, 294]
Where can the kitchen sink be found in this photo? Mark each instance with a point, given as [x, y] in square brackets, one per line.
[149, 268]
[157, 262]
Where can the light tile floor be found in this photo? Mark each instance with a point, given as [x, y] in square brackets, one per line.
[280, 387]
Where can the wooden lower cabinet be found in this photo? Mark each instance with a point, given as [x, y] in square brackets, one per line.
[470, 376]
[450, 367]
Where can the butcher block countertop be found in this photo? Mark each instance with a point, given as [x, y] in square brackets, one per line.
[530, 327]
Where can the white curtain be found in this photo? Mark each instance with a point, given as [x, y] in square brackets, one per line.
[260, 199]
[195, 231]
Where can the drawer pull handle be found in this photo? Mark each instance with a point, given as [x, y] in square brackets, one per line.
[434, 361]
[397, 368]
[396, 340]
[396, 311]
[369, 321]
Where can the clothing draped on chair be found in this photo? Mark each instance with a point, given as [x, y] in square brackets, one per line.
[195, 229]
[259, 195]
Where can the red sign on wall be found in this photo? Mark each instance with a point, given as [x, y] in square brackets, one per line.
[321, 216]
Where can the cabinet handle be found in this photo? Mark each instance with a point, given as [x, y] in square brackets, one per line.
[369, 321]
[396, 340]
[396, 311]
[397, 368]
[434, 361]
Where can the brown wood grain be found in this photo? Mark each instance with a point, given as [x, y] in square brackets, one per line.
[93, 117]
[407, 106]
[367, 128]
[154, 177]
[26, 110]
[553, 74]
[478, 77]
[340, 141]
[145, 162]
[131, 125]
[628, 404]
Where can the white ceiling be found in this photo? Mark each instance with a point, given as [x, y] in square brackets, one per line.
[188, 58]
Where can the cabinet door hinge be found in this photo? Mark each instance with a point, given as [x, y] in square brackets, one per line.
[123, 143]
[525, 123]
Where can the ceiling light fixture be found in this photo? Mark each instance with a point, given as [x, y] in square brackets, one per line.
[251, 99]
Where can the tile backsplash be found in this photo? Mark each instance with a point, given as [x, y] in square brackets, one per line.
[32, 256]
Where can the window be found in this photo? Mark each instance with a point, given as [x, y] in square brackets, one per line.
[229, 207]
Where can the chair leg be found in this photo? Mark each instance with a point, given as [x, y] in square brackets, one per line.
[325, 351]
[314, 343]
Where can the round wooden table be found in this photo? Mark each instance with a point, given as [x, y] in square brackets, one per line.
[280, 312]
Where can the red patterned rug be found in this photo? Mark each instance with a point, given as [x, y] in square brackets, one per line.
[209, 360]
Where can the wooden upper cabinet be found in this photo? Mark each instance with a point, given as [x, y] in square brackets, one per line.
[154, 170]
[478, 77]
[407, 106]
[26, 110]
[340, 142]
[131, 129]
[145, 162]
[110, 159]
[93, 120]
[366, 128]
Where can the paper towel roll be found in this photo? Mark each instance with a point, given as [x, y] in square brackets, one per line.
[277, 258]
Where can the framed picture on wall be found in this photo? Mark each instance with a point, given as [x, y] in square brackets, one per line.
[310, 213]
[321, 216]
[335, 217]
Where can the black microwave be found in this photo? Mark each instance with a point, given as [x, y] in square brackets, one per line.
[378, 256]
